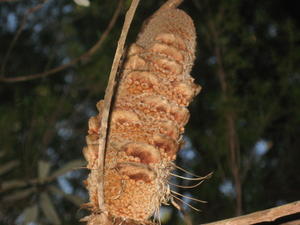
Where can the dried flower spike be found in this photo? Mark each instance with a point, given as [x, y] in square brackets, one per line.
[147, 121]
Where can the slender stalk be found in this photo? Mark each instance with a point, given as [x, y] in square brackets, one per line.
[233, 144]
[74, 61]
[263, 216]
[107, 101]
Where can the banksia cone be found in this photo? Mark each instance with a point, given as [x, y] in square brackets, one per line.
[147, 121]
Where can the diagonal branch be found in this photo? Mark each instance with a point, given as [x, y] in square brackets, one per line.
[262, 216]
[74, 61]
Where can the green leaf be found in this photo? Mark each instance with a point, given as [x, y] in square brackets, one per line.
[30, 214]
[7, 185]
[43, 169]
[19, 195]
[48, 209]
[76, 200]
[72, 165]
[8, 166]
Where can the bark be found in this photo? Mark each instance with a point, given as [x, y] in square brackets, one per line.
[230, 117]
[267, 215]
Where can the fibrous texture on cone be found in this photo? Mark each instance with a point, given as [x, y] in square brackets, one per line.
[146, 123]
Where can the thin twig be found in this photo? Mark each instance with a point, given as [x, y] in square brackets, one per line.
[18, 33]
[262, 216]
[85, 55]
[233, 143]
[108, 97]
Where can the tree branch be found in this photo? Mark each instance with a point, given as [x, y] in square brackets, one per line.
[233, 143]
[267, 215]
[107, 100]
[18, 33]
[85, 55]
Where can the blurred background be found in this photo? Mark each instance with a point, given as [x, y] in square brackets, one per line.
[55, 58]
